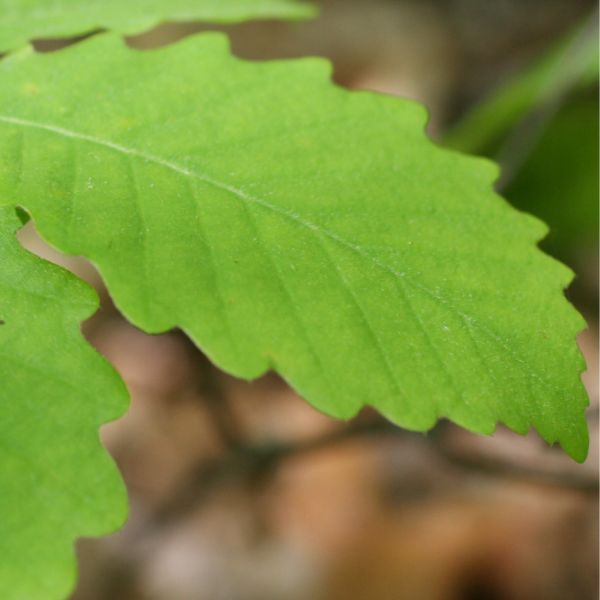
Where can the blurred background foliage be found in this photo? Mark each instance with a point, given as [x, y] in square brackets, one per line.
[241, 491]
[542, 128]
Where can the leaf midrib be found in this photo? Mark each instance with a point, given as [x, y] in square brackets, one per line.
[468, 320]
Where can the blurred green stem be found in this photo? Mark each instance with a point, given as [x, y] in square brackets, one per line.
[507, 125]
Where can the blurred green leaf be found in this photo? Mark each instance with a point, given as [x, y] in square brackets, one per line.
[24, 20]
[559, 180]
[570, 64]
[56, 480]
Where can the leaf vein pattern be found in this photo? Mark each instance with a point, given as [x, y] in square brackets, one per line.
[244, 196]
[142, 233]
[445, 371]
[73, 162]
[289, 299]
[367, 324]
[214, 272]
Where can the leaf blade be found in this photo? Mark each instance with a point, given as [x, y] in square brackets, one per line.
[286, 223]
[57, 481]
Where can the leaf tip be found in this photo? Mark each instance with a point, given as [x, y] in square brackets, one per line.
[577, 443]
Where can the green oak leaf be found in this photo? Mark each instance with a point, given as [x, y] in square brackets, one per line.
[56, 480]
[24, 20]
[285, 223]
